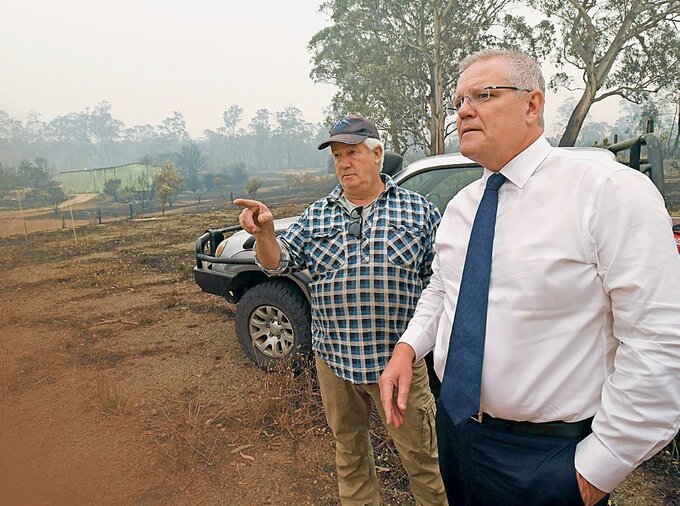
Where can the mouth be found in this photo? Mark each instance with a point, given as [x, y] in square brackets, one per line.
[468, 130]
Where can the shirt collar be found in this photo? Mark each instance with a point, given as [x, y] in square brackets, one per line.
[335, 194]
[519, 169]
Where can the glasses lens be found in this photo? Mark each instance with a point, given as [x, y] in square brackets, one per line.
[482, 95]
[355, 225]
[355, 229]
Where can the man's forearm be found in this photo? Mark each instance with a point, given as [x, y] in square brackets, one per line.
[267, 249]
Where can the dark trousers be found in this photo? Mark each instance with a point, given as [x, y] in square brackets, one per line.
[486, 465]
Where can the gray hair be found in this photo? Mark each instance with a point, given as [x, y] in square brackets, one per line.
[523, 71]
[371, 144]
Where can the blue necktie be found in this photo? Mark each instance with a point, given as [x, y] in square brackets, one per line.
[461, 385]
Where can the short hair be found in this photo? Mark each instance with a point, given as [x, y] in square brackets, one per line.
[371, 144]
[523, 71]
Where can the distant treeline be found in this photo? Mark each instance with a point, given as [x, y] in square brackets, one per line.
[93, 138]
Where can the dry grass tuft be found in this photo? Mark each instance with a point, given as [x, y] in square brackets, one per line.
[290, 402]
[191, 437]
[195, 436]
[111, 397]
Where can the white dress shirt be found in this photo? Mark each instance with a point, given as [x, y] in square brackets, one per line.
[584, 304]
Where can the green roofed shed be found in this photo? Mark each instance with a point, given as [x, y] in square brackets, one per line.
[93, 180]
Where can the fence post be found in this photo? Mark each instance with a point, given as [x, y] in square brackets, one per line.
[99, 216]
[63, 221]
[130, 210]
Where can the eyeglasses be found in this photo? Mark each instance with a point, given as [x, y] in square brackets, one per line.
[357, 222]
[478, 96]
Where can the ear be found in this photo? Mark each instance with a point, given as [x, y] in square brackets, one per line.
[535, 106]
[377, 151]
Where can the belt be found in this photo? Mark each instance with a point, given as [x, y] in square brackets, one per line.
[578, 429]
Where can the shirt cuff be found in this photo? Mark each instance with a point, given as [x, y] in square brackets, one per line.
[412, 337]
[598, 465]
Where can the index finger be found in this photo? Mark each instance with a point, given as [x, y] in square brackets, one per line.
[386, 392]
[247, 203]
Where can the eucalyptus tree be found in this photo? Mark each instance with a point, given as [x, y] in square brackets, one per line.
[69, 128]
[191, 160]
[173, 129]
[231, 118]
[8, 126]
[293, 135]
[225, 144]
[627, 48]
[34, 130]
[102, 127]
[397, 61]
[261, 129]
[32, 175]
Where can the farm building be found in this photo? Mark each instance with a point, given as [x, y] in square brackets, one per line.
[93, 180]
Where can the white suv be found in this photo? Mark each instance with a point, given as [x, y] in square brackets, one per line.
[273, 319]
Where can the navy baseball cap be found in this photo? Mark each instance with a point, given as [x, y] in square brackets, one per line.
[351, 130]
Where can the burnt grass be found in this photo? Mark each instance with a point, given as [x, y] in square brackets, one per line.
[146, 264]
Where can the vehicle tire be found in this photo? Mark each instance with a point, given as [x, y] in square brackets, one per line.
[273, 324]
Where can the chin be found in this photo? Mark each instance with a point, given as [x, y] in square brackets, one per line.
[469, 149]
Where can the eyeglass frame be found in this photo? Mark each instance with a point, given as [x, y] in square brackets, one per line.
[471, 101]
[355, 227]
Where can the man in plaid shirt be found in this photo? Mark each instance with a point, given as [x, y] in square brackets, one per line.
[368, 248]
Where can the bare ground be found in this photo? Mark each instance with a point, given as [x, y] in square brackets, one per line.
[121, 383]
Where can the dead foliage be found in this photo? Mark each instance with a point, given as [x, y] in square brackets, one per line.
[110, 396]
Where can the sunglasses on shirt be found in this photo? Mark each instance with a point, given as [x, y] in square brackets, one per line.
[355, 226]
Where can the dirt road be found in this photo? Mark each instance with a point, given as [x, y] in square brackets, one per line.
[121, 383]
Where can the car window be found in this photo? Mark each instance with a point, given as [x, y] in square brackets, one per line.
[439, 185]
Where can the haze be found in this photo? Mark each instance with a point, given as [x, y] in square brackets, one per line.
[149, 58]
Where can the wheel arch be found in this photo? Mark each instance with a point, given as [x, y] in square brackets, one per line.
[249, 279]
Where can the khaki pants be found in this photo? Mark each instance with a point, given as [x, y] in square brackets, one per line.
[348, 410]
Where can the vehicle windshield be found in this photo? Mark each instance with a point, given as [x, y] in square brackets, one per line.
[440, 185]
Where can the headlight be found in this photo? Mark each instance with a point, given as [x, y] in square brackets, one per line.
[220, 247]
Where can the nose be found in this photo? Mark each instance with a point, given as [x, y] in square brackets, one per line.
[342, 162]
[465, 108]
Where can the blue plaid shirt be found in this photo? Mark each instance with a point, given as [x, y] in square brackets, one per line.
[364, 291]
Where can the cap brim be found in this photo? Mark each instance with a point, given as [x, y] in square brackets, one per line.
[344, 138]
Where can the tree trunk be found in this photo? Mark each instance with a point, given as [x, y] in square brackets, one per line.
[394, 135]
[437, 120]
[578, 116]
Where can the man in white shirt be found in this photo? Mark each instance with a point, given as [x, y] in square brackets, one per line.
[580, 377]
